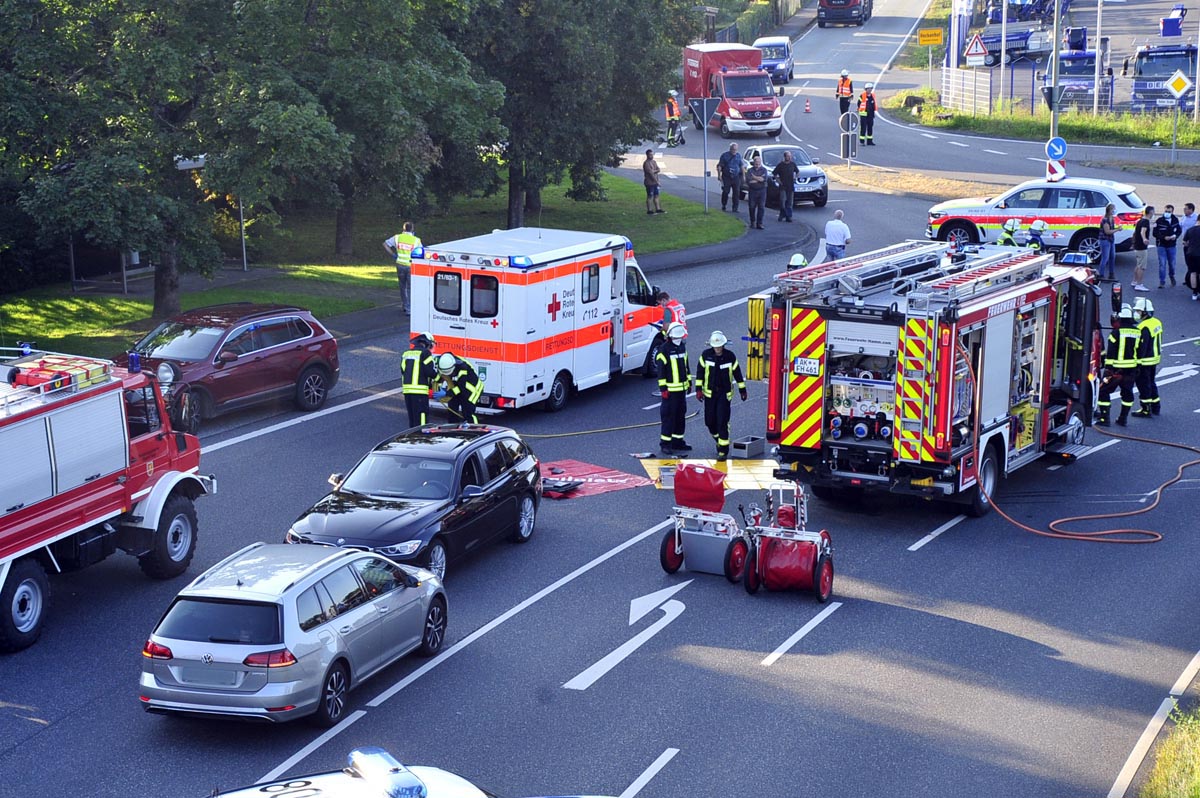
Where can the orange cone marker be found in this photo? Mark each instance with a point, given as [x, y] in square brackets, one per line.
[807, 106]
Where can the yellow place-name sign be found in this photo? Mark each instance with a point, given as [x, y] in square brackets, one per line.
[927, 37]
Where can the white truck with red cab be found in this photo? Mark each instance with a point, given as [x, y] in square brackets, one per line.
[89, 463]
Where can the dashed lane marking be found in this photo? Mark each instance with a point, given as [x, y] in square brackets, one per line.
[649, 773]
[1035, 160]
[958, 143]
[929, 135]
[958, 519]
[774, 656]
[996, 152]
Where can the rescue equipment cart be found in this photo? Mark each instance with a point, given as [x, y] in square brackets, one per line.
[786, 555]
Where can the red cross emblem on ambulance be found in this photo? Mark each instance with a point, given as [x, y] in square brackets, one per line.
[554, 307]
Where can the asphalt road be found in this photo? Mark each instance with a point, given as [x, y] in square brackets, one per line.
[984, 660]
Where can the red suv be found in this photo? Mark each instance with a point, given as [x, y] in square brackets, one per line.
[230, 356]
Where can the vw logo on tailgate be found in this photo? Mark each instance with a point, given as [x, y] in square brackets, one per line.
[207, 659]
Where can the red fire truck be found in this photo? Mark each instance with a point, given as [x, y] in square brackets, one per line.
[915, 369]
[89, 463]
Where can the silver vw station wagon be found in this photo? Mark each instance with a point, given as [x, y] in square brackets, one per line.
[274, 632]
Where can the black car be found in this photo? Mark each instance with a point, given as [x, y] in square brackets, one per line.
[430, 495]
[811, 183]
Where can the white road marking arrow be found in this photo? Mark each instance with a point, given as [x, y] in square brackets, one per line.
[638, 609]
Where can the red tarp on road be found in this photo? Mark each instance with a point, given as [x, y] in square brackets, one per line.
[596, 479]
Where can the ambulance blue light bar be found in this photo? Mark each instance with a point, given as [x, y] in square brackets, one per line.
[386, 777]
[418, 251]
[520, 262]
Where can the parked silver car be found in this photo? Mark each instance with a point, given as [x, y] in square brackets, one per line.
[274, 632]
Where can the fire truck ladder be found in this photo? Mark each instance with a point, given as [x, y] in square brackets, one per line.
[984, 273]
[853, 275]
[917, 365]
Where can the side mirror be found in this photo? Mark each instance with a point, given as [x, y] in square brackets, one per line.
[471, 491]
[816, 160]
[227, 357]
[336, 479]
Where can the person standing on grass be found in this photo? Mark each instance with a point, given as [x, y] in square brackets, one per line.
[756, 190]
[785, 172]
[1166, 234]
[1141, 248]
[837, 236]
[650, 172]
[401, 246]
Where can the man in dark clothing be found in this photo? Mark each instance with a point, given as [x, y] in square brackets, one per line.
[866, 116]
[716, 373]
[674, 381]
[1166, 235]
[756, 191]
[785, 172]
[1121, 359]
[1141, 247]
[730, 169]
[418, 372]
[1191, 254]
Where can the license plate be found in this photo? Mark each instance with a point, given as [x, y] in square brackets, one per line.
[208, 676]
[1167, 103]
[807, 366]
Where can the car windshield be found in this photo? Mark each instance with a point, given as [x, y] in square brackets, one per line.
[1079, 67]
[401, 476]
[741, 86]
[773, 53]
[1162, 65]
[250, 623]
[175, 340]
[772, 158]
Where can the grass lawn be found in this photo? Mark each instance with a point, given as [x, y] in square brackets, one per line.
[308, 237]
[1176, 771]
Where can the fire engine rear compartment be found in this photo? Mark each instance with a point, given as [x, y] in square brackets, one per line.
[910, 375]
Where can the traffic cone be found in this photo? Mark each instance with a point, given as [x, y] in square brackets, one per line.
[807, 106]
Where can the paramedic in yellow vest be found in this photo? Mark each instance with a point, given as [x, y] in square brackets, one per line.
[844, 93]
[717, 372]
[866, 116]
[674, 381]
[1149, 356]
[401, 246]
[1121, 359]
[674, 129]
[463, 386]
[418, 373]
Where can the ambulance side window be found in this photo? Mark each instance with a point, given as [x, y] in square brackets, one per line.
[636, 290]
[590, 290]
[485, 296]
[447, 293]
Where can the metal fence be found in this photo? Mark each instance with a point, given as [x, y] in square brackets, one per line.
[977, 91]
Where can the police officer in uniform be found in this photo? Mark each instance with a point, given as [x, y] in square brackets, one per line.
[1121, 358]
[674, 381]
[717, 372]
[462, 384]
[1006, 233]
[1149, 356]
[866, 116]
[418, 372]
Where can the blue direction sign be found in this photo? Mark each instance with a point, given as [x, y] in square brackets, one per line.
[1056, 148]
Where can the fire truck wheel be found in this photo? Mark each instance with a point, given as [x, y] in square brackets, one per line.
[668, 558]
[560, 390]
[24, 600]
[312, 388]
[750, 579]
[822, 492]
[174, 540]
[735, 559]
[725, 131]
[525, 521]
[989, 470]
[958, 234]
[1075, 428]
[823, 583]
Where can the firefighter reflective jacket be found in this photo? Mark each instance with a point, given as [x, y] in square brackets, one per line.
[418, 371]
[866, 104]
[1150, 330]
[464, 381]
[1122, 352]
[717, 374]
[845, 87]
[673, 372]
[672, 109]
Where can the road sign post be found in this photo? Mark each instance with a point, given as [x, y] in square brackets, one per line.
[1056, 148]
[704, 108]
[1178, 84]
[928, 37]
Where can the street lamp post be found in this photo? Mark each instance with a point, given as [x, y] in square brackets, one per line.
[1054, 72]
[1196, 95]
[1099, 56]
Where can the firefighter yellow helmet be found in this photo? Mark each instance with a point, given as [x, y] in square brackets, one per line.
[717, 339]
[676, 332]
[1012, 225]
[446, 363]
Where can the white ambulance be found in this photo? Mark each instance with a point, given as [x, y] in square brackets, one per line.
[539, 312]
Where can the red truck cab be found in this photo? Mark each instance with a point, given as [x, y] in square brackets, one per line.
[89, 463]
[732, 73]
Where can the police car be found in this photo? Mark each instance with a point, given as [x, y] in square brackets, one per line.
[370, 772]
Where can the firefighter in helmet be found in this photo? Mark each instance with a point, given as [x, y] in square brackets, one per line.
[1121, 360]
[1149, 356]
[1037, 229]
[674, 381]
[798, 261]
[717, 372]
[866, 116]
[462, 384]
[674, 128]
[418, 373]
[1007, 232]
[845, 91]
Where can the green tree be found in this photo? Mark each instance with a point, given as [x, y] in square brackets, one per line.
[582, 79]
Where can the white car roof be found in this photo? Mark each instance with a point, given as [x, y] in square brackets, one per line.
[1080, 182]
[770, 41]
